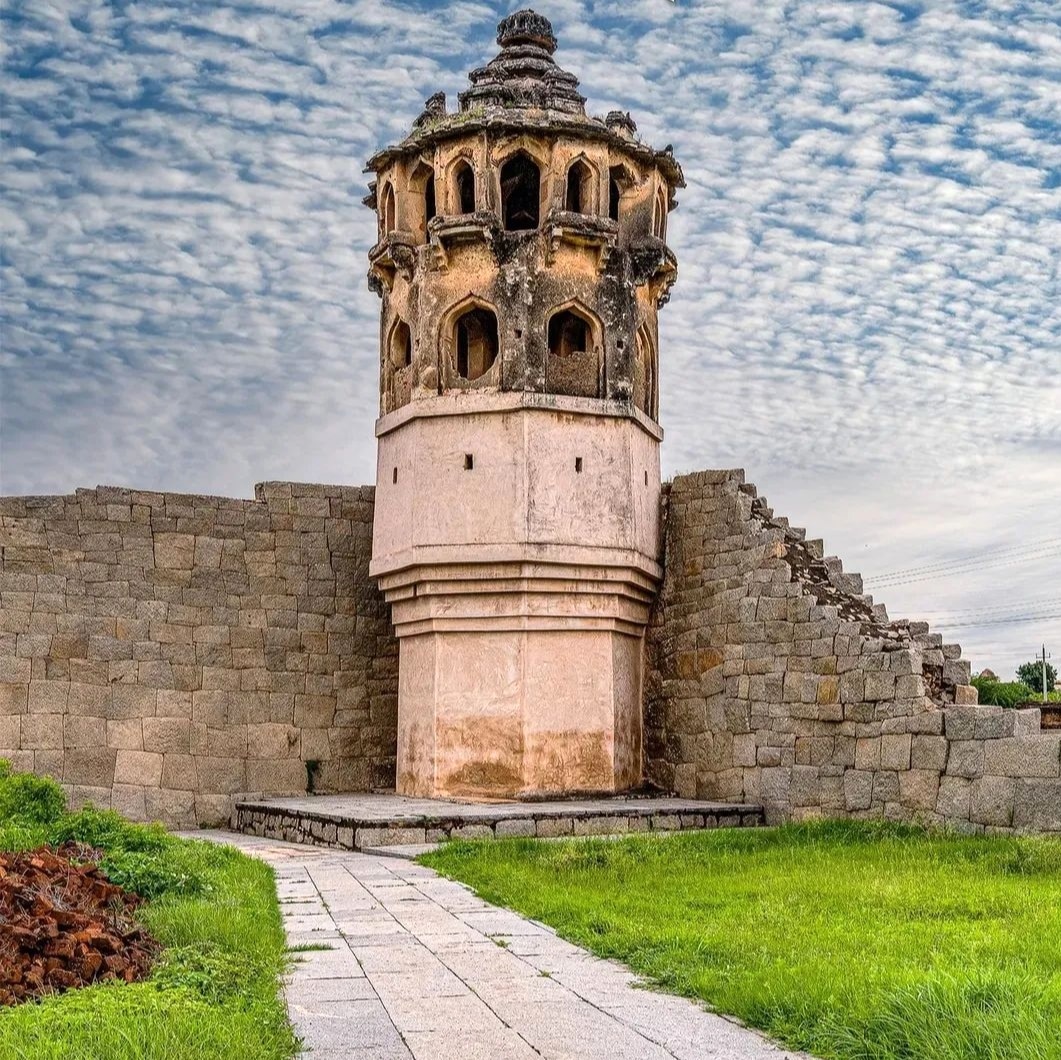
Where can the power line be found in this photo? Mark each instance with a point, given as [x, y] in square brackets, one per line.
[1035, 603]
[970, 569]
[948, 574]
[997, 621]
[1048, 542]
[967, 570]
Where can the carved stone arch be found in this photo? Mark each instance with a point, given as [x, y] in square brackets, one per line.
[400, 344]
[386, 208]
[505, 149]
[581, 186]
[469, 343]
[522, 194]
[646, 371]
[659, 213]
[397, 365]
[462, 184]
[575, 341]
[620, 181]
[423, 189]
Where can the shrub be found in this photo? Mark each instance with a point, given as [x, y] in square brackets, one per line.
[26, 799]
[1001, 693]
[140, 857]
[207, 970]
[108, 830]
[173, 871]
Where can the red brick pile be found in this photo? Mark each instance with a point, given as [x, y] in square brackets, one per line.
[64, 924]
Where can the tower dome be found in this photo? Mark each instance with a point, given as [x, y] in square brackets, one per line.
[521, 262]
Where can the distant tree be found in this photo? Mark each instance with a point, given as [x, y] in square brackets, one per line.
[1031, 673]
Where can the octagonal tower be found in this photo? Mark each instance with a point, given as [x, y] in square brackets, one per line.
[521, 262]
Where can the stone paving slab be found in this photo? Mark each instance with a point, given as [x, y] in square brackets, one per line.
[368, 821]
[419, 968]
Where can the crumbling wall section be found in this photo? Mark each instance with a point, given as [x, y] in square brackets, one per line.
[162, 653]
[772, 678]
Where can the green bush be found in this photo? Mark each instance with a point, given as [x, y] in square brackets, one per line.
[173, 871]
[1001, 693]
[139, 857]
[26, 799]
[211, 972]
[108, 830]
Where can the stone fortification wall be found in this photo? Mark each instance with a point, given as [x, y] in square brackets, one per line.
[161, 653]
[771, 678]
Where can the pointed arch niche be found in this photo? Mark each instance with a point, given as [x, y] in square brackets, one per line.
[422, 186]
[471, 340]
[575, 342]
[521, 192]
[580, 187]
[646, 370]
[386, 210]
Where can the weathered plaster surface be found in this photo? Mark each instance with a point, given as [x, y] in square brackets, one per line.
[516, 540]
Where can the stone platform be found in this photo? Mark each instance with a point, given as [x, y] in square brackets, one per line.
[372, 820]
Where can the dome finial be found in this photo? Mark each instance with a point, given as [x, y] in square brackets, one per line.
[526, 27]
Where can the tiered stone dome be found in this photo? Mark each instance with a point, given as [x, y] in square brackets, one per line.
[524, 73]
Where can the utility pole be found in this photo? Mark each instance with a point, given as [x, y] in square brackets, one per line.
[1044, 673]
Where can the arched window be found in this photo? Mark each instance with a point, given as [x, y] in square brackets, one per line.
[645, 372]
[578, 194]
[573, 366]
[659, 215]
[475, 342]
[617, 180]
[568, 333]
[401, 345]
[386, 210]
[429, 199]
[465, 178]
[421, 198]
[520, 193]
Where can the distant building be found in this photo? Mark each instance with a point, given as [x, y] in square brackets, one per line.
[987, 675]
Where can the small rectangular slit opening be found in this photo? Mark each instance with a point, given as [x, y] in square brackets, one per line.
[394, 477]
[646, 478]
[578, 465]
[469, 461]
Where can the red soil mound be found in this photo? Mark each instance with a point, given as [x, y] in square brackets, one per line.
[64, 924]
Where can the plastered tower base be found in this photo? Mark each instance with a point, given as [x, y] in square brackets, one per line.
[515, 539]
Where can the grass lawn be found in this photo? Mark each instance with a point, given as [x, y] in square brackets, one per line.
[213, 993]
[846, 939]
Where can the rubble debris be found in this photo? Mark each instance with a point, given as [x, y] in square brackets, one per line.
[63, 924]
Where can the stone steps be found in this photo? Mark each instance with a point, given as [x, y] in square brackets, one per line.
[362, 821]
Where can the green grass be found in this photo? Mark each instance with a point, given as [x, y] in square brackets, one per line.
[214, 991]
[850, 940]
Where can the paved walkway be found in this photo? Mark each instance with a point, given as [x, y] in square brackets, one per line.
[419, 967]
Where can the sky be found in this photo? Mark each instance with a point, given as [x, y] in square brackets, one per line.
[867, 316]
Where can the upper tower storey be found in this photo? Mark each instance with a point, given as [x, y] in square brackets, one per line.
[522, 243]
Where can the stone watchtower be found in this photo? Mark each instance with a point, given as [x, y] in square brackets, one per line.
[521, 263]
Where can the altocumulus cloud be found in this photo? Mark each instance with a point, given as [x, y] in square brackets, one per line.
[868, 316]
